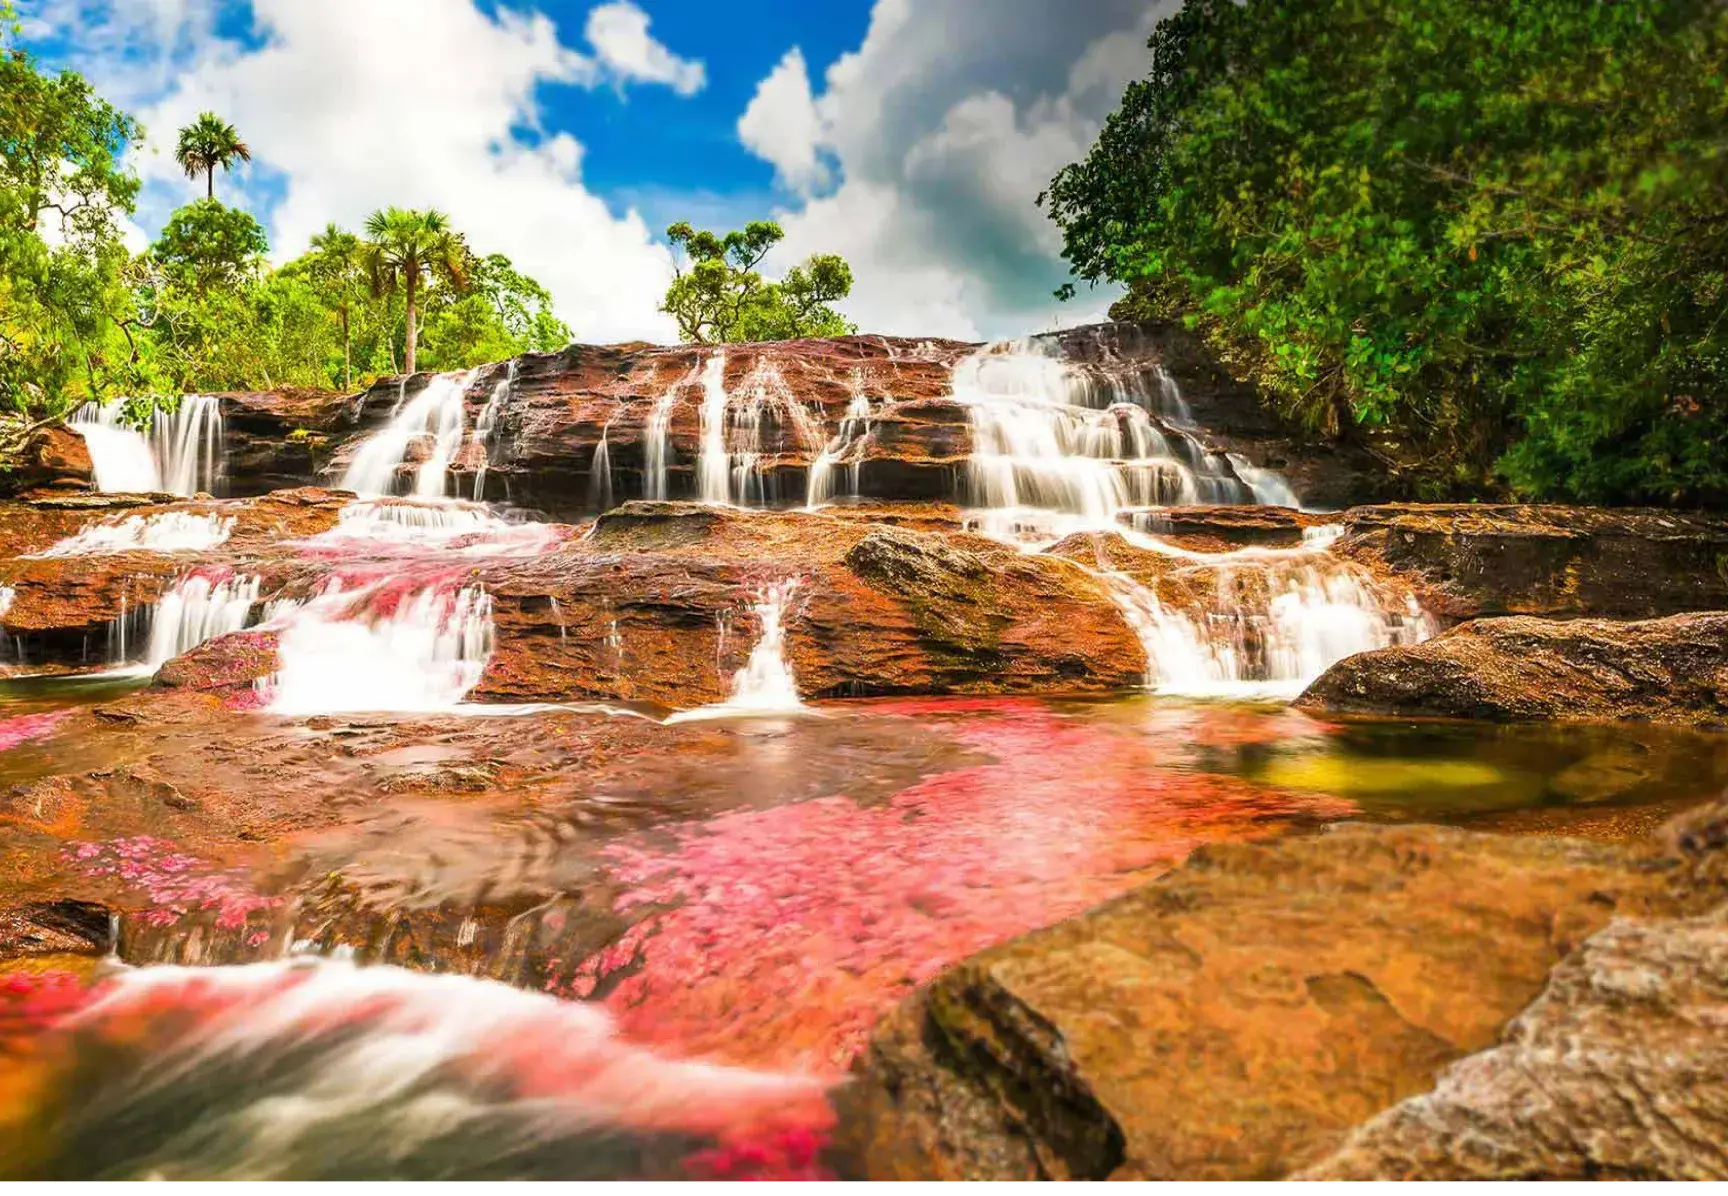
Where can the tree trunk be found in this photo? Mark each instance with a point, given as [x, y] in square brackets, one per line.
[210, 181]
[413, 331]
[347, 361]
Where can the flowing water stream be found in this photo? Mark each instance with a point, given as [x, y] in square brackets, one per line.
[589, 941]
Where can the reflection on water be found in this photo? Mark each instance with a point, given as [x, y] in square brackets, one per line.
[707, 934]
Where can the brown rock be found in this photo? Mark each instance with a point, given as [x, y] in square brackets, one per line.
[1234, 1019]
[1672, 670]
[1548, 560]
[1615, 1072]
[55, 459]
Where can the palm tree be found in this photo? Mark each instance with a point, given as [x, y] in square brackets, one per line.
[207, 143]
[336, 267]
[412, 249]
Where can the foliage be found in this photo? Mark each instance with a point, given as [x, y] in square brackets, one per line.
[719, 296]
[207, 143]
[65, 316]
[412, 250]
[206, 244]
[1499, 231]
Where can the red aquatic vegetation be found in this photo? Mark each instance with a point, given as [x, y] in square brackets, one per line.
[777, 937]
[28, 727]
[34, 1002]
[174, 882]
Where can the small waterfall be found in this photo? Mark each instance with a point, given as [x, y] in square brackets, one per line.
[845, 450]
[657, 448]
[1059, 448]
[600, 472]
[7, 597]
[765, 685]
[167, 531]
[714, 463]
[199, 608]
[412, 521]
[486, 428]
[420, 650]
[436, 413]
[1274, 621]
[182, 454]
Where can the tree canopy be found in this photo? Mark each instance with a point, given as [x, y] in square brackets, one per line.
[83, 317]
[207, 143]
[718, 294]
[1498, 231]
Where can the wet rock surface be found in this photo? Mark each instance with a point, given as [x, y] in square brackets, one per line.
[1236, 1018]
[1672, 670]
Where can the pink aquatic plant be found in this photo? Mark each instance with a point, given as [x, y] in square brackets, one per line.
[174, 882]
[28, 727]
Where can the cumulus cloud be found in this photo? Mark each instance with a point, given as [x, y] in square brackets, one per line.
[352, 105]
[625, 52]
[941, 128]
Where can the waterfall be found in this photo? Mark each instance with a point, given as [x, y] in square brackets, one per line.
[182, 454]
[658, 445]
[1058, 447]
[199, 608]
[713, 463]
[600, 472]
[167, 531]
[844, 450]
[437, 413]
[765, 685]
[8, 595]
[1276, 619]
[419, 650]
[486, 427]
[411, 521]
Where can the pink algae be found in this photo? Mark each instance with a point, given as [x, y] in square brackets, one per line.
[775, 938]
[27, 727]
[173, 882]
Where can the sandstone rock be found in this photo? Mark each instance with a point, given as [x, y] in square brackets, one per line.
[1615, 1072]
[54, 460]
[1548, 560]
[1236, 1018]
[1672, 670]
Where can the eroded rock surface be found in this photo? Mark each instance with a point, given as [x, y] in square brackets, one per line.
[1236, 1018]
[1672, 670]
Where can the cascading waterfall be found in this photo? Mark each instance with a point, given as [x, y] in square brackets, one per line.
[765, 685]
[658, 447]
[600, 471]
[167, 531]
[436, 413]
[198, 606]
[844, 451]
[1278, 618]
[182, 454]
[365, 650]
[729, 467]
[1058, 448]
[486, 427]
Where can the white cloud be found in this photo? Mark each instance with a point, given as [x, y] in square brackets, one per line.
[352, 105]
[627, 53]
[781, 126]
[944, 125]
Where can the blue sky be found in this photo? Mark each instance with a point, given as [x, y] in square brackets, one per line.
[908, 135]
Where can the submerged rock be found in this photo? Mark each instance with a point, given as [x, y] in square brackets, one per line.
[1234, 1019]
[1672, 670]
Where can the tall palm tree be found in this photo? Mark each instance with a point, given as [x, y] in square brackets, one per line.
[207, 143]
[336, 267]
[412, 250]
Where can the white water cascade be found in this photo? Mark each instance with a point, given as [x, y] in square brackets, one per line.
[1276, 619]
[182, 453]
[844, 452]
[714, 463]
[765, 685]
[435, 414]
[486, 427]
[1060, 448]
[729, 465]
[196, 608]
[166, 531]
[358, 651]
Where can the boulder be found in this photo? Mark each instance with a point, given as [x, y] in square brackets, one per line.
[1234, 1019]
[1469, 560]
[1672, 670]
[54, 460]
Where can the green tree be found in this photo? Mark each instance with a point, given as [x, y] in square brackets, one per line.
[335, 270]
[207, 143]
[207, 244]
[412, 250]
[718, 295]
[66, 314]
[1496, 232]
